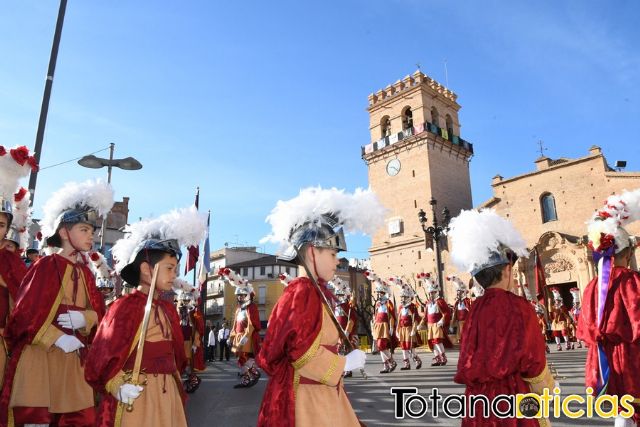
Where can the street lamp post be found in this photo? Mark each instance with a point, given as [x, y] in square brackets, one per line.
[93, 162]
[435, 231]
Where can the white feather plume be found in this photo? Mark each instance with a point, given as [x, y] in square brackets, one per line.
[10, 174]
[360, 212]
[618, 211]
[182, 285]
[22, 212]
[94, 194]
[99, 265]
[476, 234]
[187, 226]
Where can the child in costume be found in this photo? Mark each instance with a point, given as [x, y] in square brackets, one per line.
[55, 316]
[502, 351]
[156, 397]
[300, 349]
[610, 316]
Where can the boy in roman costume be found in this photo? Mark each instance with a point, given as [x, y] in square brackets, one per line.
[575, 315]
[502, 351]
[192, 335]
[437, 317]
[146, 258]
[14, 215]
[300, 348]
[560, 320]
[384, 323]
[345, 314]
[408, 320]
[461, 306]
[610, 316]
[55, 316]
[245, 331]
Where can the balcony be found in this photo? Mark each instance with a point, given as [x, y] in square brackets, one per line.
[446, 134]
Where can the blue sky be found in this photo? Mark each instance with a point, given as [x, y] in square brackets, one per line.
[252, 101]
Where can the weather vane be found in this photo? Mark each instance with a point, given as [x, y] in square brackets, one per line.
[542, 148]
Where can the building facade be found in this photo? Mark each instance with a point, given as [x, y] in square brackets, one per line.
[550, 207]
[416, 155]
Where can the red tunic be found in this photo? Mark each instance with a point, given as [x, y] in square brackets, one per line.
[461, 315]
[492, 363]
[619, 332]
[294, 324]
[346, 313]
[406, 322]
[254, 317]
[37, 299]
[114, 344]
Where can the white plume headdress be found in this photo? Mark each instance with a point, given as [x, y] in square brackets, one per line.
[313, 216]
[168, 232]
[241, 285]
[482, 239]
[92, 195]
[21, 211]
[460, 285]
[606, 230]
[15, 164]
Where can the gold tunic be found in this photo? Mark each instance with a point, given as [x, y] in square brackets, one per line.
[324, 404]
[48, 377]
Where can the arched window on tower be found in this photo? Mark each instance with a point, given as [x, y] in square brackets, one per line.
[548, 208]
[407, 118]
[385, 126]
[449, 123]
[435, 117]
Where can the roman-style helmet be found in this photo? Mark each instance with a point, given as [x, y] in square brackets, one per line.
[318, 217]
[167, 233]
[75, 203]
[461, 288]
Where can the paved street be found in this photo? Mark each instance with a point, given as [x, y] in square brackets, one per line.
[217, 403]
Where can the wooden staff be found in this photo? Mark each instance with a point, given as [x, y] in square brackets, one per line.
[343, 335]
[135, 374]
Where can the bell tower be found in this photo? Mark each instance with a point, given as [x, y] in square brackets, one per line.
[416, 154]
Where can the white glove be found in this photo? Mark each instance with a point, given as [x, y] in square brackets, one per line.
[68, 343]
[440, 323]
[355, 360]
[243, 341]
[391, 331]
[72, 320]
[194, 348]
[413, 334]
[127, 393]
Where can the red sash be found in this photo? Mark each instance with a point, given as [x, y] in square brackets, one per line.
[434, 318]
[157, 358]
[382, 317]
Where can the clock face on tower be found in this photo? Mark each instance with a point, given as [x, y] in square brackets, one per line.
[393, 167]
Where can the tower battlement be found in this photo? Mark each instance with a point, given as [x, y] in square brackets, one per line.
[416, 79]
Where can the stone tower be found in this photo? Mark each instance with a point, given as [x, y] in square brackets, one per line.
[416, 154]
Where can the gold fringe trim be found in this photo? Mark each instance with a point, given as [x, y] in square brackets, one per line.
[311, 351]
[332, 369]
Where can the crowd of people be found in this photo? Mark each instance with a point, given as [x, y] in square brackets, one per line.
[69, 359]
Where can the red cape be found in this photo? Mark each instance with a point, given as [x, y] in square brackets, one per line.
[113, 341]
[620, 332]
[294, 324]
[36, 299]
[501, 343]
[12, 270]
